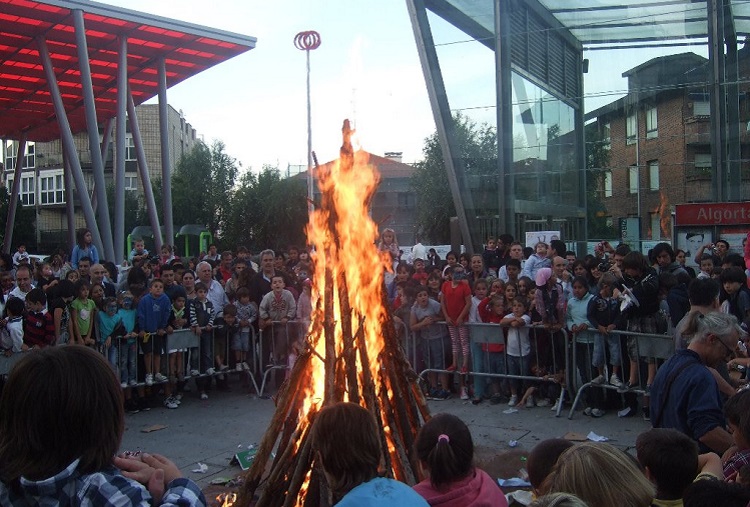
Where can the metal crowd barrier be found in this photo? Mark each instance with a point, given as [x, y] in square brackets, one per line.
[554, 356]
[275, 346]
[648, 348]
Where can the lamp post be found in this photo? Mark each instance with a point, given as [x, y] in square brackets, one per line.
[308, 41]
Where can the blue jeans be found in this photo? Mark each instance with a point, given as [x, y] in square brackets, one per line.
[519, 365]
[485, 362]
[126, 360]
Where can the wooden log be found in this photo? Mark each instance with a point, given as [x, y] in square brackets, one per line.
[329, 335]
[303, 465]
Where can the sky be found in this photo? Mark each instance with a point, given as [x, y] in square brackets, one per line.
[366, 69]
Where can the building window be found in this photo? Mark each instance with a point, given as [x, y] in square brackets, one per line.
[701, 170]
[608, 184]
[633, 179]
[51, 188]
[653, 175]
[651, 123]
[28, 195]
[129, 148]
[606, 135]
[131, 181]
[11, 154]
[631, 128]
[701, 108]
[407, 200]
[655, 225]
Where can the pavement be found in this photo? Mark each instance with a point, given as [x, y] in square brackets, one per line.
[212, 431]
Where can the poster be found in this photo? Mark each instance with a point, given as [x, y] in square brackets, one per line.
[690, 240]
[735, 237]
[534, 237]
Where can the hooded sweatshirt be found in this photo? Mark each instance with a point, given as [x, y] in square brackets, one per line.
[476, 490]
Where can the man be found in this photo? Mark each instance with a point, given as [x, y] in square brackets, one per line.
[515, 252]
[171, 287]
[703, 294]
[84, 268]
[224, 271]
[98, 274]
[564, 277]
[215, 293]
[685, 395]
[260, 284]
[213, 255]
[23, 283]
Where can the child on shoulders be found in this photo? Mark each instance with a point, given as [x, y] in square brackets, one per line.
[11, 338]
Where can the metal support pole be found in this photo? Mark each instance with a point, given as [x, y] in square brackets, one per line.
[119, 162]
[15, 195]
[166, 170]
[69, 143]
[92, 126]
[148, 192]
[718, 104]
[104, 148]
[310, 205]
[504, 100]
[70, 208]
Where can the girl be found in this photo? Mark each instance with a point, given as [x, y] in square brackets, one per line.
[167, 254]
[446, 455]
[83, 315]
[451, 259]
[577, 322]
[510, 292]
[64, 293]
[524, 285]
[537, 260]
[72, 276]
[604, 315]
[579, 268]
[389, 245]
[57, 266]
[44, 277]
[488, 357]
[433, 286]
[518, 346]
[97, 295]
[497, 287]
[84, 248]
[456, 304]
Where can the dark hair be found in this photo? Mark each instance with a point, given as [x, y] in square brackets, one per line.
[154, 281]
[507, 239]
[737, 412]
[242, 292]
[84, 259]
[444, 445]
[635, 260]
[63, 289]
[15, 306]
[200, 286]
[166, 267]
[733, 274]
[667, 281]
[349, 457]
[80, 236]
[521, 300]
[513, 262]
[543, 457]
[37, 295]
[582, 280]
[527, 252]
[709, 493]
[703, 291]
[664, 247]
[734, 259]
[558, 246]
[622, 250]
[672, 460]
[67, 420]
[230, 309]
[726, 243]
[708, 257]
[81, 283]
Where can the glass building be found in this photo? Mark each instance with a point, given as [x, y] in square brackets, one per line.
[608, 114]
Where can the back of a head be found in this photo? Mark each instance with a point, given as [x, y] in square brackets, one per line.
[543, 457]
[558, 500]
[714, 492]
[50, 415]
[346, 438]
[737, 412]
[445, 447]
[703, 291]
[558, 246]
[735, 260]
[671, 458]
[600, 475]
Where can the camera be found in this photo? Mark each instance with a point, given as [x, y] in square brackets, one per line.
[604, 266]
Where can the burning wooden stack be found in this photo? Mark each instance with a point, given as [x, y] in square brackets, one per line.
[353, 352]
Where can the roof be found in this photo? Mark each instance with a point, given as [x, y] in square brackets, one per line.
[388, 168]
[25, 101]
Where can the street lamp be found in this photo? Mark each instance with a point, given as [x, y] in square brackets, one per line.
[308, 41]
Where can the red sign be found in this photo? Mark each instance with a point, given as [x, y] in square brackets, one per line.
[722, 213]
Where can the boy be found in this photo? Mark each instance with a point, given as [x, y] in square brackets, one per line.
[735, 299]
[11, 339]
[110, 330]
[139, 253]
[128, 351]
[737, 412]
[202, 323]
[278, 306]
[604, 315]
[246, 314]
[425, 318]
[517, 344]
[20, 255]
[38, 326]
[153, 318]
[492, 256]
[707, 266]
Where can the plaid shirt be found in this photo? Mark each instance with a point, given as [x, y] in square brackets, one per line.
[737, 461]
[108, 488]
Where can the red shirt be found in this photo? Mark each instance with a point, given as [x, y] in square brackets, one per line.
[454, 298]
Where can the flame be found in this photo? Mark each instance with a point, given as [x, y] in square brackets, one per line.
[347, 186]
[664, 213]
[226, 499]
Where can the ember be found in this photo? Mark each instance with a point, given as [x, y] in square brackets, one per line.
[226, 499]
[353, 351]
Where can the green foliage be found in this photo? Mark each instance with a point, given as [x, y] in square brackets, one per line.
[267, 211]
[478, 151]
[24, 227]
[597, 160]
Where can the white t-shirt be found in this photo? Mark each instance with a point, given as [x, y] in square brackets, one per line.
[518, 343]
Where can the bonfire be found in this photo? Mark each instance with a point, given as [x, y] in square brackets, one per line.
[353, 352]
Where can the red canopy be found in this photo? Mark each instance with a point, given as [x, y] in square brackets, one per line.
[25, 101]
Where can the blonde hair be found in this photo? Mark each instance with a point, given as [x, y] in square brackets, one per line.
[600, 475]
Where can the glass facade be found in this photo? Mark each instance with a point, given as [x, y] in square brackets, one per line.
[603, 110]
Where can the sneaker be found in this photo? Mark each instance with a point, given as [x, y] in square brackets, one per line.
[133, 383]
[530, 402]
[646, 414]
[598, 380]
[123, 384]
[178, 397]
[131, 407]
[464, 370]
[194, 373]
[239, 367]
[464, 393]
[451, 368]
[544, 402]
[204, 396]
[245, 366]
[149, 379]
[170, 403]
[556, 406]
[587, 411]
[160, 378]
[597, 412]
[614, 380]
[627, 387]
[647, 391]
[210, 371]
[476, 401]
[513, 401]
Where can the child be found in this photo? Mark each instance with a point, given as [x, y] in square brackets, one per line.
[202, 322]
[424, 319]
[536, 261]
[389, 245]
[45, 280]
[20, 255]
[110, 330]
[247, 313]
[480, 292]
[456, 303]
[153, 319]
[69, 460]
[497, 286]
[488, 357]
[542, 458]
[420, 275]
[96, 293]
[433, 286]
[84, 248]
[492, 256]
[38, 326]
[128, 352]
[62, 296]
[707, 266]
[11, 338]
[577, 322]
[350, 459]
[737, 413]
[512, 270]
[511, 291]
[446, 454]
[517, 345]
[604, 315]
[83, 315]
[178, 319]
[276, 309]
[734, 298]
[139, 253]
[223, 334]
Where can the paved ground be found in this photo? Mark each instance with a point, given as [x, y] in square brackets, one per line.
[212, 431]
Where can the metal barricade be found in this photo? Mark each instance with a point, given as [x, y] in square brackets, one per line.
[275, 347]
[648, 348]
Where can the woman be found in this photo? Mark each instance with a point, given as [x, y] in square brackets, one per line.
[188, 283]
[84, 248]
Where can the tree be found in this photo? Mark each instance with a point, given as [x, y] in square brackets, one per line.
[24, 227]
[597, 160]
[267, 211]
[478, 151]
